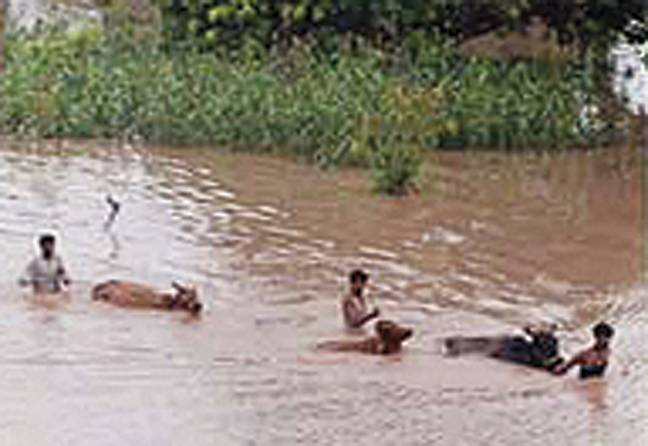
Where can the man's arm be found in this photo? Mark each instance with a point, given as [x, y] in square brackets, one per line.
[369, 316]
[354, 317]
[61, 272]
[563, 368]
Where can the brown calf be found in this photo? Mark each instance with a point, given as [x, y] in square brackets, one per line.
[134, 295]
[388, 340]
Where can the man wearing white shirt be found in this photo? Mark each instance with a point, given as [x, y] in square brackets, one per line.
[46, 273]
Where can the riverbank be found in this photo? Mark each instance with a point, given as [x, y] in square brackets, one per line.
[361, 107]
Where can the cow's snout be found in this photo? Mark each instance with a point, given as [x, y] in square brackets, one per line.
[195, 307]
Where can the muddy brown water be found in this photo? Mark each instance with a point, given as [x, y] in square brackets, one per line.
[493, 241]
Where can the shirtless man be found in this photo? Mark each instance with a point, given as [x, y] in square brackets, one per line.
[594, 360]
[46, 273]
[354, 304]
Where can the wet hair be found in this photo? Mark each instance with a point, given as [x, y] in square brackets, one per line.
[603, 330]
[358, 274]
[46, 238]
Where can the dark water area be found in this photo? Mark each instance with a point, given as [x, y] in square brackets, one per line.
[493, 242]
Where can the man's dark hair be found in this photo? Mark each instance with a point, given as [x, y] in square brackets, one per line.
[603, 329]
[358, 274]
[46, 238]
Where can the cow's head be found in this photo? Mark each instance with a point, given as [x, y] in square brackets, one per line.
[392, 335]
[186, 298]
[544, 342]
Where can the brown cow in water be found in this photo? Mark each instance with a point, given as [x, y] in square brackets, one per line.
[134, 295]
[388, 340]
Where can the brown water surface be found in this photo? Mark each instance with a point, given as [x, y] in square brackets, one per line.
[493, 241]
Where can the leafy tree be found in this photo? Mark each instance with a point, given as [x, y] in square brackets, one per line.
[270, 22]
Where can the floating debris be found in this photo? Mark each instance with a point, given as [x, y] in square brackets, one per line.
[115, 207]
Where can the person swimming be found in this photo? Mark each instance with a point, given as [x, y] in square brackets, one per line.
[46, 273]
[354, 304]
[593, 361]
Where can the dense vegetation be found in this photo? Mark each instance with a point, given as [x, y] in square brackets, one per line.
[3, 15]
[271, 22]
[375, 92]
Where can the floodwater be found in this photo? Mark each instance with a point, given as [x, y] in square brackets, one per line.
[492, 242]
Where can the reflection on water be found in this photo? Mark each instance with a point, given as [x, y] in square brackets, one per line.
[493, 242]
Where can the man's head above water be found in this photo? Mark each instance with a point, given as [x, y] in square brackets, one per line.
[47, 245]
[358, 280]
[603, 333]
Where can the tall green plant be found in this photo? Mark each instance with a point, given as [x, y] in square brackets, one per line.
[392, 142]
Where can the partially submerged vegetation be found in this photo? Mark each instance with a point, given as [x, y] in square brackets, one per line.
[346, 102]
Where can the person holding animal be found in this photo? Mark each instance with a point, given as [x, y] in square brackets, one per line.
[389, 336]
[46, 273]
[540, 351]
[355, 309]
[593, 361]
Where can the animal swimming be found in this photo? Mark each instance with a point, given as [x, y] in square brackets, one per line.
[538, 349]
[135, 295]
[388, 340]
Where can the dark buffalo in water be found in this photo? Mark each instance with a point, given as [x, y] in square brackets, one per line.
[538, 349]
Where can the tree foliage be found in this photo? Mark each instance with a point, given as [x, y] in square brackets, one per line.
[270, 22]
[3, 22]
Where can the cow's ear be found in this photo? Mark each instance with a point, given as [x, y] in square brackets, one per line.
[178, 287]
[529, 329]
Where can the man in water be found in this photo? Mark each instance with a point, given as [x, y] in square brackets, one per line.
[46, 273]
[594, 360]
[354, 304]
